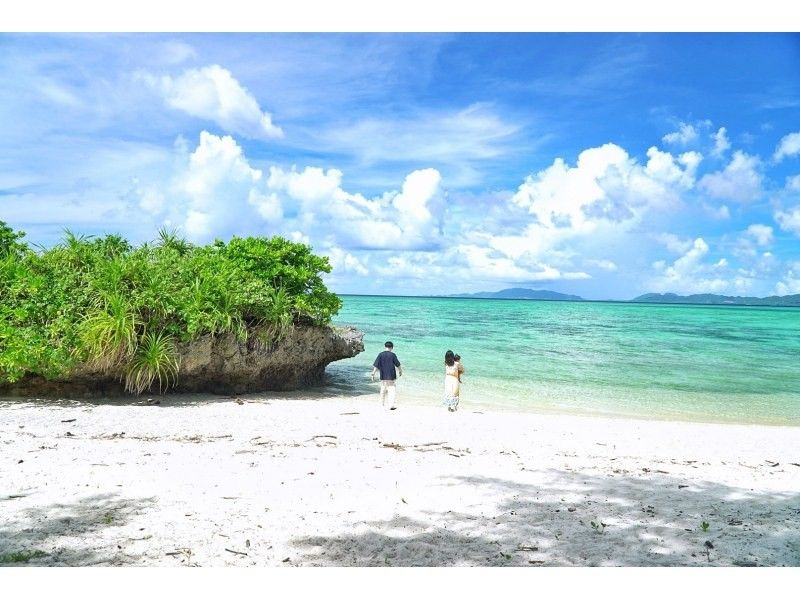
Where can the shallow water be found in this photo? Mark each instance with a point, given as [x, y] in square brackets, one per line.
[687, 362]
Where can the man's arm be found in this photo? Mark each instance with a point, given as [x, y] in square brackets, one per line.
[372, 374]
[397, 365]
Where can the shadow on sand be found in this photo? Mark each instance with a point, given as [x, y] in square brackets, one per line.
[333, 385]
[67, 525]
[663, 527]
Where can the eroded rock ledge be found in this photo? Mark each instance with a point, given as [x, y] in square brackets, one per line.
[222, 365]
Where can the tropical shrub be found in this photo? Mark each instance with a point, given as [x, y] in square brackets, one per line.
[124, 309]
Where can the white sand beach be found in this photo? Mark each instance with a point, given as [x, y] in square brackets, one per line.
[202, 481]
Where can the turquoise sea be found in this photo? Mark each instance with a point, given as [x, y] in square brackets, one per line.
[682, 362]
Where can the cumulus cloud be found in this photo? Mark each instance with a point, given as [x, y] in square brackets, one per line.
[790, 283]
[605, 184]
[789, 220]
[717, 212]
[751, 241]
[721, 143]
[607, 265]
[220, 190]
[760, 233]
[689, 274]
[740, 180]
[672, 242]
[600, 199]
[409, 218]
[788, 146]
[212, 93]
[685, 134]
[793, 183]
[342, 261]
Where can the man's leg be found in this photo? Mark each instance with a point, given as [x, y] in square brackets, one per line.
[383, 393]
[390, 390]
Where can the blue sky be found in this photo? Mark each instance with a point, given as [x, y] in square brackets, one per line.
[605, 165]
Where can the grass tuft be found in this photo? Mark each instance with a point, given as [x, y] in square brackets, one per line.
[156, 359]
[22, 556]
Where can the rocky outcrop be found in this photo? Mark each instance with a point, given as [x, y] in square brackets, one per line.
[220, 364]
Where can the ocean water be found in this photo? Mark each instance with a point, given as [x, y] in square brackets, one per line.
[680, 362]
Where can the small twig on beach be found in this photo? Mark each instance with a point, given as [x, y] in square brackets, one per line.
[527, 548]
[772, 463]
[795, 464]
[67, 421]
[351, 413]
[321, 436]
[236, 552]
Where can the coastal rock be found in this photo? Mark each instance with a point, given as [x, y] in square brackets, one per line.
[220, 364]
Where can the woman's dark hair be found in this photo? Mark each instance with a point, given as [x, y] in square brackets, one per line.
[449, 358]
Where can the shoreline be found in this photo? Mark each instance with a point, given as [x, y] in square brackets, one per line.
[284, 481]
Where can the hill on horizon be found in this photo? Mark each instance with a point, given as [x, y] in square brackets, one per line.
[711, 299]
[520, 293]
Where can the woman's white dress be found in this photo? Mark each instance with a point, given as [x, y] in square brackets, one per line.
[451, 386]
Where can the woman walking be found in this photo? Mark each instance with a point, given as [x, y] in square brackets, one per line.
[451, 383]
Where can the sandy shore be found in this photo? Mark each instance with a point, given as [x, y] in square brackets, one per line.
[277, 482]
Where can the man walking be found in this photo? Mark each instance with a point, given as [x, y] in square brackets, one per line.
[385, 363]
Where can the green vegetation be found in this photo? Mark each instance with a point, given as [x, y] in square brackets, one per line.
[124, 308]
[22, 556]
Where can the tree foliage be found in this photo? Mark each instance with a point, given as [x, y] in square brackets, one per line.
[124, 308]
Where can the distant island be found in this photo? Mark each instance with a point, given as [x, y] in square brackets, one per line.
[710, 299]
[699, 299]
[518, 293]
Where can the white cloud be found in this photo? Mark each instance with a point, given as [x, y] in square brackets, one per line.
[790, 283]
[689, 274]
[58, 94]
[486, 263]
[748, 243]
[151, 200]
[410, 218]
[739, 181]
[685, 134]
[218, 191]
[457, 139]
[606, 189]
[342, 261]
[607, 265]
[761, 233]
[717, 212]
[793, 183]
[213, 93]
[599, 200]
[788, 146]
[721, 143]
[175, 52]
[789, 220]
[674, 243]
